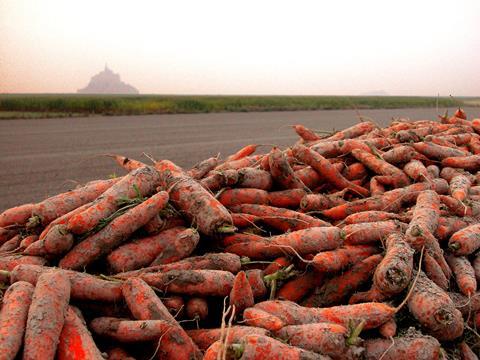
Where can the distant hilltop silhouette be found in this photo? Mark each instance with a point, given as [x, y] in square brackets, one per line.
[107, 82]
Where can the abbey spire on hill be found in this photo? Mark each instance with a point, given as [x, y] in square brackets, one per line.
[107, 82]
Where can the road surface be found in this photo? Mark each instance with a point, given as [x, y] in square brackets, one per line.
[43, 157]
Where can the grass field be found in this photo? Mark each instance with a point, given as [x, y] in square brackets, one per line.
[44, 106]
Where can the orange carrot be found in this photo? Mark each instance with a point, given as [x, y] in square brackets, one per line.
[465, 241]
[9, 262]
[297, 288]
[256, 279]
[355, 171]
[438, 152]
[13, 318]
[7, 234]
[353, 131]
[76, 342]
[372, 216]
[166, 247]
[425, 218]
[278, 218]
[243, 152]
[318, 202]
[188, 196]
[216, 180]
[434, 171]
[247, 161]
[309, 177]
[64, 219]
[232, 197]
[434, 272]
[306, 241]
[114, 233]
[468, 163]
[290, 198]
[254, 178]
[416, 171]
[126, 163]
[464, 274]
[367, 233]
[458, 208]
[389, 329]
[163, 221]
[305, 134]
[46, 315]
[399, 154]
[341, 258]
[277, 264]
[83, 286]
[143, 180]
[326, 169]
[241, 295]
[17, 216]
[197, 308]
[282, 172]
[459, 187]
[466, 352]
[203, 168]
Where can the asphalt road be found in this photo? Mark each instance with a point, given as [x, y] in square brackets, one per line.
[40, 158]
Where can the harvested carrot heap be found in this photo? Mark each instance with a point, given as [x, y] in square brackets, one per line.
[362, 244]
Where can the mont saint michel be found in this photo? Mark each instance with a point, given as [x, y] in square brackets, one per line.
[107, 82]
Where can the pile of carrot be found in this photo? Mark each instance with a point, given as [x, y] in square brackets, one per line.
[360, 244]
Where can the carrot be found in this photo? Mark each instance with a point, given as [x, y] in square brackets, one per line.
[217, 180]
[459, 187]
[145, 305]
[438, 152]
[209, 261]
[197, 309]
[130, 331]
[126, 163]
[200, 207]
[57, 242]
[468, 163]
[254, 178]
[416, 171]
[425, 218]
[64, 219]
[464, 274]
[206, 337]
[83, 286]
[166, 247]
[460, 113]
[353, 131]
[161, 222]
[367, 233]
[241, 295]
[339, 287]
[142, 181]
[277, 264]
[318, 202]
[290, 198]
[243, 152]
[304, 241]
[192, 282]
[255, 317]
[330, 149]
[76, 342]
[9, 262]
[232, 197]
[465, 241]
[389, 329]
[46, 315]
[305, 133]
[256, 280]
[282, 172]
[289, 313]
[324, 338]
[466, 352]
[376, 186]
[17, 216]
[474, 146]
[11, 244]
[434, 310]
[309, 177]
[326, 169]
[411, 346]
[434, 171]
[175, 305]
[247, 161]
[434, 272]
[399, 154]
[13, 318]
[372, 216]
[278, 218]
[381, 167]
[114, 233]
[297, 288]
[27, 241]
[355, 171]
[338, 259]
[340, 212]
[238, 238]
[118, 353]
[203, 168]
[7, 234]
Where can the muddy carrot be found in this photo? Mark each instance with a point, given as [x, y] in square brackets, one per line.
[338, 259]
[318, 202]
[437, 152]
[203, 168]
[143, 181]
[57, 242]
[206, 337]
[127, 163]
[241, 295]
[7, 234]
[309, 177]
[399, 154]
[434, 272]
[305, 133]
[217, 180]
[196, 308]
[434, 171]
[389, 329]
[232, 197]
[247, 161]
[171, 245]
[416, 170]
[11, 244]
[372, 216]
[9, 262]
[425, 218]
[161, 222]
[353, 131]
[13, 318]
[18, 215]
[243, 152]
[287, 198]
[367, 233]
[64, 219]
[112, 235]
[46, 315]
[296, 289]
[465, 241]
[464, 274]
[282, 172]
[470, 163]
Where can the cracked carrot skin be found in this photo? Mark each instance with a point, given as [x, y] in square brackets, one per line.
[18, 215]
[188, 196]
[434, 310]
[326, 169]
[83, 286]
[336, 289]
[290, 313]
[144, 179]
[13, 318]
[282, 172]
[130, 331]
[324, 338]
[341, 258]
[76, 342]
[231, 197]
[165, 247]
[145, 305]
[279, 218]
[306, 241]
[115, 233]
[192, 282]
[61, 204]
[464, 274]
[46, 316]
[206, 337]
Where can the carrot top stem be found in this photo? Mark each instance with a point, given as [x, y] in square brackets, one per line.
[353, 337]
[226, 229]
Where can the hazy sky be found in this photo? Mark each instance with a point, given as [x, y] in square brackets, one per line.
[408, 47]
